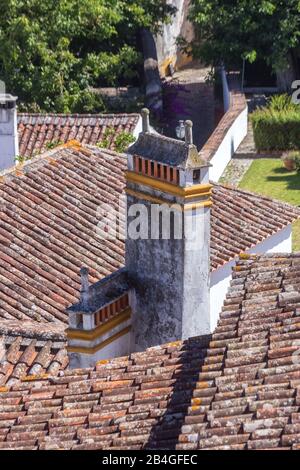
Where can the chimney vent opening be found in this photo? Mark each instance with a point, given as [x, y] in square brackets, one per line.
[196, 176]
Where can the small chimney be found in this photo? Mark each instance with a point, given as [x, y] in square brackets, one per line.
[100, 323]
[84, 291]
[9, 145]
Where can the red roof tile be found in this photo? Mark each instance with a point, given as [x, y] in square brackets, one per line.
[36, 130]
[48, 228]
[241, 219]
[237, 389]
[29, 349]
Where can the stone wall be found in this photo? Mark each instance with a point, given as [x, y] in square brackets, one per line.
[231, 130]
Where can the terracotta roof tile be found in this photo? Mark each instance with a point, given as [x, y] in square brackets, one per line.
[247, 403]
[25, 358]
[36, 130]
[48, 230]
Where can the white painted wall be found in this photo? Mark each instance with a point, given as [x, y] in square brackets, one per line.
[9, 143]
[226, 92]
[233, 138]
[229, 145]
[138, 128]
[281, 242]
[117, 348]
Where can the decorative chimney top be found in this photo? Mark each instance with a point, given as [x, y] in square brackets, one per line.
[100, 324]
[170, 268]
[165, 150]
[145, 120]
[188, 132]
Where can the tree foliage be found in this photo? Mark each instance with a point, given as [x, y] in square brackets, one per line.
[231, 30]
[52, 51]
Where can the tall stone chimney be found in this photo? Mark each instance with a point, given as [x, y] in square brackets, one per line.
[9, 146]
[167, 180]
[162, 294]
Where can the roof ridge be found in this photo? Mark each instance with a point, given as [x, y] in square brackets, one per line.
[18, 167]
[254, 194]
[33, 329]
[76, 115]
[250, 256]
[72, 144]
[45, 157]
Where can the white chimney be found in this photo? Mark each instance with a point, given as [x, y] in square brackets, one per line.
[9, 144]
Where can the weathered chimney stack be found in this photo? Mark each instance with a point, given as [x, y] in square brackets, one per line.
[163, 293]
[171, 276]
[9, 145]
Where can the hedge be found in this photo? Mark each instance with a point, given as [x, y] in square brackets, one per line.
[275, 127]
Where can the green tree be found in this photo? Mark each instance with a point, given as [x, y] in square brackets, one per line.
[52, 51]
[231, 30]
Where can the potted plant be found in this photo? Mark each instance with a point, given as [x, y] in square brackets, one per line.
[291, 160]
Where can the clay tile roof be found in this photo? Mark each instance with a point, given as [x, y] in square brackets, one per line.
[49, 215]
[241, 219]
[48, 230]
[29, 349]
[36, 130]
[236, 389]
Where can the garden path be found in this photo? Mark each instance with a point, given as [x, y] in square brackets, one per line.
[187, 95]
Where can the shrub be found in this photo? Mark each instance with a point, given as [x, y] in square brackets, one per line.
[121, 142]
[53, 144]
[281, 103]
[20, 159]
[277, 126]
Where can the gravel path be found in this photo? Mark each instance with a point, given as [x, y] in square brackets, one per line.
[187, 95]
[235, 171]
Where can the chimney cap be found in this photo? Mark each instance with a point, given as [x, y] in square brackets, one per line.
[7, 101]
[166, 150]
[145, 113]
[188, 132]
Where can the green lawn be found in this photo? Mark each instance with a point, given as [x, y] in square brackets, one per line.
[269, 177]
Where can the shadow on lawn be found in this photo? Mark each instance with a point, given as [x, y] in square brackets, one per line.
[292, 179]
